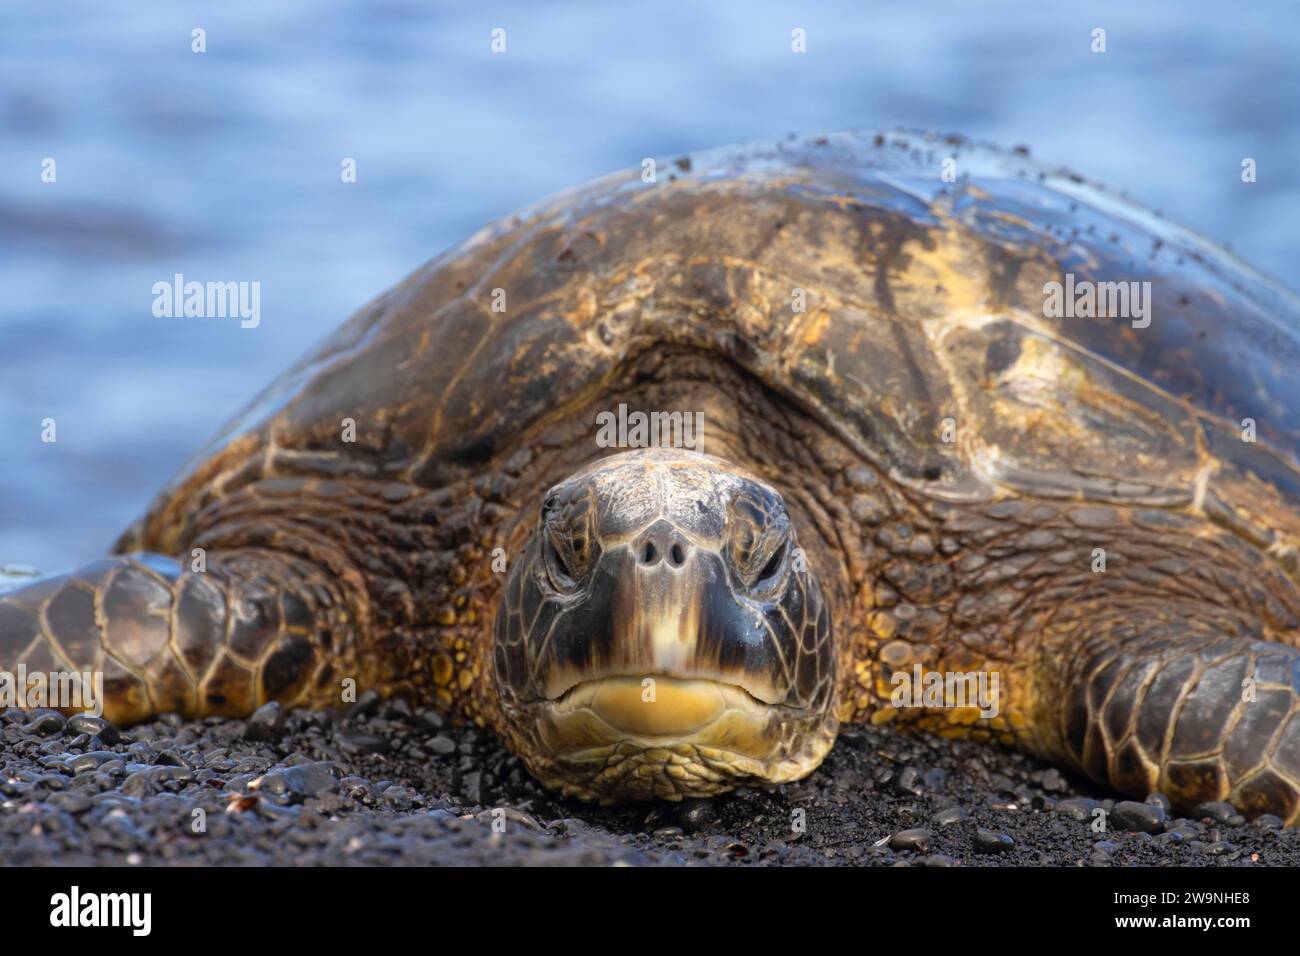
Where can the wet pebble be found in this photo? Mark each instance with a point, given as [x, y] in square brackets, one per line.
[1158, 799]
[45, 724]
[917, 838]
[170, 758]
[908, 782]
[1134, 817]
[363, 744]
[149, 780]
[1216, 810]
[399, 797]
[301, 781]
[1076, 808]
[91, 760]
[992, 841]
[950, 817]
[266, 724]
[695, 815]
[95, 727]
[366, 705]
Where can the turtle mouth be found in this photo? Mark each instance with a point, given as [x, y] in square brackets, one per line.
[657, 705]
[625, 737]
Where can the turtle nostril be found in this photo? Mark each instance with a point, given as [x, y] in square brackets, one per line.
[662, 544]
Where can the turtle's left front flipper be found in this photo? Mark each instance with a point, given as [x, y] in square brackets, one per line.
[1188, 706]
[141, 635]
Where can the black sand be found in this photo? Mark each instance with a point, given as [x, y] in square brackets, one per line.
[386, 786]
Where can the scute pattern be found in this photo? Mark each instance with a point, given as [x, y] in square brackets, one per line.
[1192, 716]
[167, 639]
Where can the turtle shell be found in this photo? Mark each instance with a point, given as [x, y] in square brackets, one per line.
[899, 297]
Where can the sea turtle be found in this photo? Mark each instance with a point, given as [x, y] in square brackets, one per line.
[922, 466]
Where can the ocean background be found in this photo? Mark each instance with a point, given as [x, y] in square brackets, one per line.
[226, 166]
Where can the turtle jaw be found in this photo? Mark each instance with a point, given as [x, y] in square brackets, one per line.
[619, 739]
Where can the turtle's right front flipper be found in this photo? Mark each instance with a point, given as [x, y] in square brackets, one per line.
[251, 627]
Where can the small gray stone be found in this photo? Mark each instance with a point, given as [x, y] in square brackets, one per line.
[1216, 810]
[442, 744]
[364, 744]
[301, 781]
[266, 724]
[992, 841]
[366, 704]
[1158, 799]
[695, 815]
[1076, 808]
[950, 817]
[472, 783]
[1053, 782]
[170, 758]
[917, 838]
[908, 782]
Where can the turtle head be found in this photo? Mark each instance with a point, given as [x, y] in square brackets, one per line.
[663, 636]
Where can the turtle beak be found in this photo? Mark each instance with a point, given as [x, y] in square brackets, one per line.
[663, 607]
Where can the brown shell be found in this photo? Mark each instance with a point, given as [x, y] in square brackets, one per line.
[923, 338]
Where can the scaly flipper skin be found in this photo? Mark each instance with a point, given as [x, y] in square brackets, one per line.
[1176, 699]
[869, 347]
[252, 627]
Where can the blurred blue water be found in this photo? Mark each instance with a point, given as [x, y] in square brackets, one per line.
[225, 166]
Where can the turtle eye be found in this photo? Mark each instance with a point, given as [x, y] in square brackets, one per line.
[557, 558]
[773, 566]
[770, 560]
[566, 541]
[557, 568]
[759, 542]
